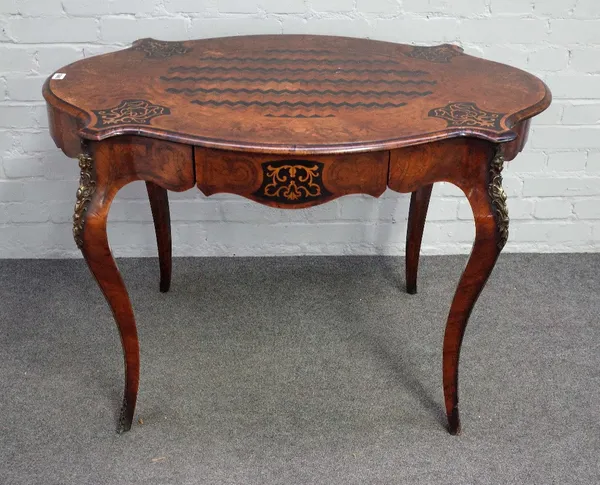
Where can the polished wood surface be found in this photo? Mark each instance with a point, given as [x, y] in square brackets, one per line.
[417, 213]
[291, 122]
[278, 181]
[471, 165]
[159, 205]
[296, 94]
[158, 162]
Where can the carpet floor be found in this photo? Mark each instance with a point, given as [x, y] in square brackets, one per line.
[315, 370]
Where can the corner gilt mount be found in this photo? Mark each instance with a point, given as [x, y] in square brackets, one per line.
[87, 187]
[498, 197]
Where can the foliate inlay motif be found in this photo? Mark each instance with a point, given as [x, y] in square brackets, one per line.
[292, 181]
[87, 187]
[441, 54]
[160, 49]
[468, 115]
[498, 197]
[130, 112]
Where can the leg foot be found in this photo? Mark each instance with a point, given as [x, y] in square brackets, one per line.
[419, 203]
[125, 417]
[454, 422]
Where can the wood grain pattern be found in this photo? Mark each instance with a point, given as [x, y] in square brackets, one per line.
[468, 164]
[159, 205]
[291, 122]
[335, 94]
[417, 213]
[115, 163]
[268, 179]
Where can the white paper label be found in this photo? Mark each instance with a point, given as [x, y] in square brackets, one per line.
[59, 75]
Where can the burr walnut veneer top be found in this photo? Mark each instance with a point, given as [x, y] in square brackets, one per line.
[294, 94]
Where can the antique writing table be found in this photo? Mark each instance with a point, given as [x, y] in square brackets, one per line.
[290, 122]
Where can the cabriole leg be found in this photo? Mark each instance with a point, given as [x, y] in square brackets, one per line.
[419, 203]
[94, 197]
[488, 202]
[159, 203]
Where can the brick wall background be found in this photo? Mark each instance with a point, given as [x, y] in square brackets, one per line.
[553, 187]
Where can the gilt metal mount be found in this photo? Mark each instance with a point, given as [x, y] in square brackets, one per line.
[498, 197]
[87, 187]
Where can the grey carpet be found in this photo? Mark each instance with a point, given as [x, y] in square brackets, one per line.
[301, 371]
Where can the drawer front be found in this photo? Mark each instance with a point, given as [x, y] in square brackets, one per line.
[290, 181]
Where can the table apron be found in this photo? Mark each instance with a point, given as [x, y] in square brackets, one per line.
[287, 181]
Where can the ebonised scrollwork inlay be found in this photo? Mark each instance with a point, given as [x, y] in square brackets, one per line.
[87, 187]
[288, 85]
[498, 197]
[160, 49]
[292, 182]
[467, 115]
[130, 112]
[441, 54]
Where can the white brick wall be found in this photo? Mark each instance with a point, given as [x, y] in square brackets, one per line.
[554, 186]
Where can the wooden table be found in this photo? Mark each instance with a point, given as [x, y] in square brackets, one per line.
[291, 122]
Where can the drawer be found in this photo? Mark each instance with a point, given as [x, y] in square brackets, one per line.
[288, 181]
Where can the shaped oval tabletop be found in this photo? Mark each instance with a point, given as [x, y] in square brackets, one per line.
[295, 93]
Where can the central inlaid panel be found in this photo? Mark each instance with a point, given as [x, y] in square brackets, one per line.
[298, 83]
[290, 182]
